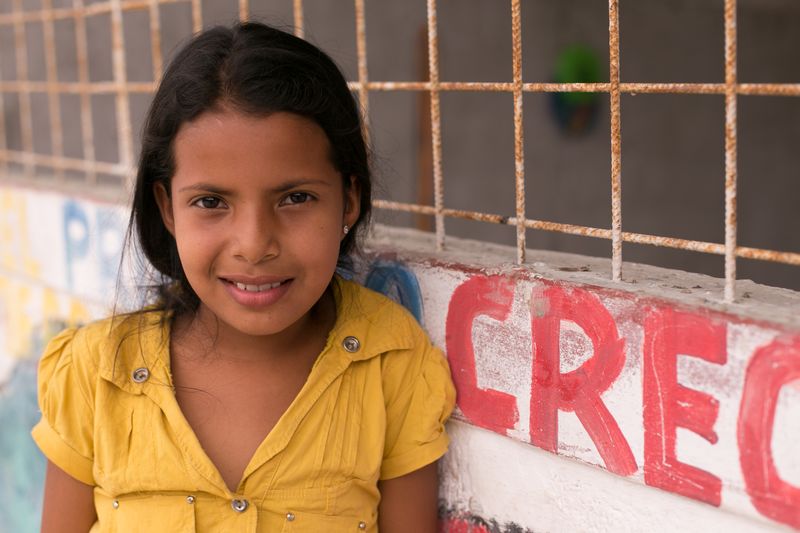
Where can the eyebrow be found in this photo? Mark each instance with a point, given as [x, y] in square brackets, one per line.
[284, 187]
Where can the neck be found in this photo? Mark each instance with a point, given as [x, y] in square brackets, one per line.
[211, 337]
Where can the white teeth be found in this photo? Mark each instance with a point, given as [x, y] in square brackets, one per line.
[256, 288]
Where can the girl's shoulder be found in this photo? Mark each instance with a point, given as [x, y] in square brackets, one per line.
[377, 316]
[384, 329]
[90, 347]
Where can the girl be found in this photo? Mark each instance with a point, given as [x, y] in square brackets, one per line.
[262, 392]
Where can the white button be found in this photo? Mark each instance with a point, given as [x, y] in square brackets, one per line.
[351, 344]
[140, 375]
[362, 525]
[239, 506]
[115, 504]
[290, 517]
[190, 499]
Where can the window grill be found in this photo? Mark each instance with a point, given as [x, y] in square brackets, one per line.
[122, 89]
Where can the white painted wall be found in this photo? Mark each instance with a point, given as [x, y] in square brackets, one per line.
[57, 265]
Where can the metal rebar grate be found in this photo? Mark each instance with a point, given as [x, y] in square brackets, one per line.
[122, 89]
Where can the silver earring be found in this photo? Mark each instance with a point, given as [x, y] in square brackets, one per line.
[345, 229]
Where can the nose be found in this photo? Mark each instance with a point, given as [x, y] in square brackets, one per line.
[255, 235]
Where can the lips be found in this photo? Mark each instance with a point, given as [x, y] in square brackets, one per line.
[256, 292]
[256, 288]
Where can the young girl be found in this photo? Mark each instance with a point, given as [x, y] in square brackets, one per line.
[262, 392]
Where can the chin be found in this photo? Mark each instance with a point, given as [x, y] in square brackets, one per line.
[257, 328]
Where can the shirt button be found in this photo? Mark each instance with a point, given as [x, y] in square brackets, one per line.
[290, 517]
[115, 504]
[239, 506]
[190, 499]
[362, 525]
[351, 344]
[140, 375]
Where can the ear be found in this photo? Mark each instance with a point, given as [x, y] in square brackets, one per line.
[352, 202]
[164, 206]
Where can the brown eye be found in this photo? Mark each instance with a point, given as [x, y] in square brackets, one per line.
[297, 198]
[208, 202]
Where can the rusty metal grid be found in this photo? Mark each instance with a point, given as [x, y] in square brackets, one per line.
[615, 87]
[122, 89]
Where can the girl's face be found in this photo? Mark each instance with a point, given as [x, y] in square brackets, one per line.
[257, 210]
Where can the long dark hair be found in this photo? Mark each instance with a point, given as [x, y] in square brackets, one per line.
[255, 69]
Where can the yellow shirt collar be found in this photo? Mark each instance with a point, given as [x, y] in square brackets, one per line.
[141, 340]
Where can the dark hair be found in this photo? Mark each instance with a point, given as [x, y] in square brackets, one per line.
[255, 69]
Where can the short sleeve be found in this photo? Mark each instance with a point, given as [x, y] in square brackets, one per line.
[66, 389]
[415, 432]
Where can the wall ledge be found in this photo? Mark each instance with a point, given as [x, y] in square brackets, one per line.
[754, 302]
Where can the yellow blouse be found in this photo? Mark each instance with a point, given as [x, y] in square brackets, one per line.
[373, 407]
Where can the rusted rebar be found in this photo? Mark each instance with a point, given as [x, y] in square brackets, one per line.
[436, 123]
[122, 104]
[197, 15]
[53, 102]
[730, 149]
[26, 114]
[299, 22]
[750, 89]
[3, 137]
[616, 141]
[519, 152]
[82, 53]
[789, 258]
[65, 163]
[155, 41]
[363, 77]
[87, 11]
[101, 87]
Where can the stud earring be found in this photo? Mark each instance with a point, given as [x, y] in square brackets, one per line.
[345, 229]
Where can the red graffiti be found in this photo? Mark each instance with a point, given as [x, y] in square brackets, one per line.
[669, 405]
[772, 367]
[580, 389]
[492, 297]
[461, 525]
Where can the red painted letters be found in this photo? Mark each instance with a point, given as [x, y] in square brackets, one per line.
[461, 525]
[771, 368]
[490, 296]
[668, 405]
[580, 389]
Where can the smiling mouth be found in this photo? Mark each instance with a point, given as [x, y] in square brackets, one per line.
[256, 288]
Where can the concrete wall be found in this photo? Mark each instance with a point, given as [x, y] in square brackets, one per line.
[583, 405]
[632, 387]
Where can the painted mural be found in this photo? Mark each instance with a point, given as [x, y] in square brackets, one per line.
[21, 463]
[58, 267]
